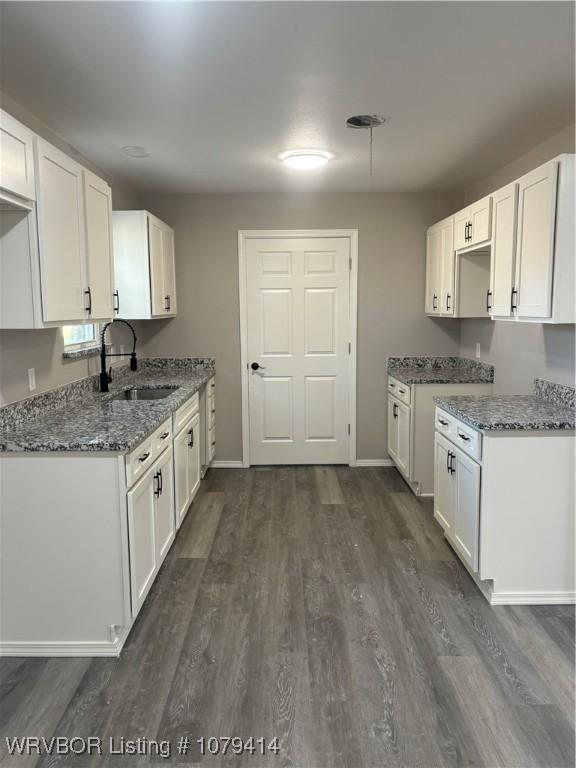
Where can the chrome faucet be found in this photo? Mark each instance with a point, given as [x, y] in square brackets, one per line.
[105, 376]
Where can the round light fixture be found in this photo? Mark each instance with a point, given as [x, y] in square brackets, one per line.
[305, 159]
[135, 151]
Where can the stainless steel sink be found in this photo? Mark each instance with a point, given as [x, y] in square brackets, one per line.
[144, 393]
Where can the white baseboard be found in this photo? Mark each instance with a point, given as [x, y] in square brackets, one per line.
[63, 649]
[227, 464]
[533, 598]
[374, 463]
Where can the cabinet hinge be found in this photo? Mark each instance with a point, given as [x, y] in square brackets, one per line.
[348, 428]
[349, 347]
[350, 263]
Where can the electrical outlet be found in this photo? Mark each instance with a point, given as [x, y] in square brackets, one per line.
[478, 349]
[31, 379]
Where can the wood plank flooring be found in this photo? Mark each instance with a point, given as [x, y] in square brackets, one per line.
[321, 606]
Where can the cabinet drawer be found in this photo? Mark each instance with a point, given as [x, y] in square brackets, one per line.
[184, 413]
[467, 439]
[144, 455]
[444, 423]
[401, 391]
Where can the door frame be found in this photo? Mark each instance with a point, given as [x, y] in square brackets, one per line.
[256, 234]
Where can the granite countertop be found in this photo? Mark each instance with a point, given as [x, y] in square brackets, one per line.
[440, 370]
[508, 412]
[97, 422]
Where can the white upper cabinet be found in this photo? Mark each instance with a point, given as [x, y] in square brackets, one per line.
[16, 160]
[472, 225]
[535, 241]
[98, 217]
[503, 260]
[433, 271]
[144, 267]
[61, 236]
[532, 268]
[57, 244]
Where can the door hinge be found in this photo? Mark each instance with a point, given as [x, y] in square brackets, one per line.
[350, 263]
[349, 347]
[348, 428]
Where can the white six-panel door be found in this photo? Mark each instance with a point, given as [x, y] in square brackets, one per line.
[298, 333]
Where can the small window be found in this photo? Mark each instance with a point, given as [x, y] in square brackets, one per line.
[80, 336]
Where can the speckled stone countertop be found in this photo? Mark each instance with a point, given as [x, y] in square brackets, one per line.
[97, 422]
[514, 412]
[440, 370]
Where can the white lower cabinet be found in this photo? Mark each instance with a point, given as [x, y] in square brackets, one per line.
[186, 466]
[457, 499]
[403, 414]
[143, 561]
[492, 499]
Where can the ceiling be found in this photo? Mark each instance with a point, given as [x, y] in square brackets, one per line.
[215, 90]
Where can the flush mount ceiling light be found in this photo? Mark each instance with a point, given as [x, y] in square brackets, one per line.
[368, 122]
[305, 159]
[135, 151]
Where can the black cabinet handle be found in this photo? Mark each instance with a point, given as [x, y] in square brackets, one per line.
[161, 488]
[156, 482]
[117, 302]
[514, 300]
[488, 302]
[463, 437]
[402, 391]
[391, 385]
[435, 302]
[191, 443]
[164, 435]
[452, 465]
[466, 232]
[144, 457]
[88, 293]
[448, 298]
[395, 411]
[448, 456]
[444, 423]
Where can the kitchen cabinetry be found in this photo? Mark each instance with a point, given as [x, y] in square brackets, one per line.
[489, 493]
[410, 438]
[440, 268]
[472, 225]
[532, 268]
[56, 265]
[144, 265]
[17, 186]
[187, 466]
[457, 499]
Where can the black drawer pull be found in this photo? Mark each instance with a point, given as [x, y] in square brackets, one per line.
[514, 300]
[452, 460]
[164, 435]
[88, 293]
[488, 302]
[391, 385]
[444, 423]
[402, 391]
[191, 443]
[448, 300]
[435, 302]
[144, 456]
[117, 302]
[156, 482]
[463, 437]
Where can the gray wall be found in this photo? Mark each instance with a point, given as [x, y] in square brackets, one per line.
[391, 319]
[20, 350]
[522, 351]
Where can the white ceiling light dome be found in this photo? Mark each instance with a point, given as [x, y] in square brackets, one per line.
[305, 159]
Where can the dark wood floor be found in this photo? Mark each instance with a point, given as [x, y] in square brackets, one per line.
[321, 606]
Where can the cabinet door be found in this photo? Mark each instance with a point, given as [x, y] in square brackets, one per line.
[467, 509]
[444, 485]
[16, 158]
[392, 428]
[461, 229]
[505, 207]
[480, 220]
[447, 266]
[141, 537]
[169, 270]
[403, 451]
[165, 527]
[156, 256]
[433, 271]
[194, 455]
[535, 241]
[98, 216]
[181, 475]
[61, 235]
